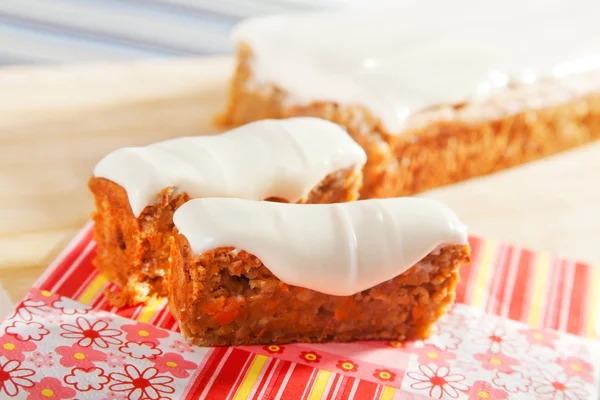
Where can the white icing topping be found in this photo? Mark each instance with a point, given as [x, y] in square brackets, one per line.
[405, 57]
[338, 249]
[269, 158]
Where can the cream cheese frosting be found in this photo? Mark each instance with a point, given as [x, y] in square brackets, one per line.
[337, 249]
[400, 58]
[269, 158]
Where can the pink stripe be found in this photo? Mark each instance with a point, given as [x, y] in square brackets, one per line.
[528, 290]
[510, 282]
[496, 278]
[555, 274]
[569, 281]
[560, 285]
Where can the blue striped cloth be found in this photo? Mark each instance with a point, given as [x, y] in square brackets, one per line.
[59, 31]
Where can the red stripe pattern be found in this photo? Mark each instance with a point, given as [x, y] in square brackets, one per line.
[509, 279]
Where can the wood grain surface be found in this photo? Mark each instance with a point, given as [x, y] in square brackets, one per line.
[57, 122]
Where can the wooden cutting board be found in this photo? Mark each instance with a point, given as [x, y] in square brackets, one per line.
[57, 122]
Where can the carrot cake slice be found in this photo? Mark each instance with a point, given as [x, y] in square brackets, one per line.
[248, 272]
[435, 92]
[137, 189]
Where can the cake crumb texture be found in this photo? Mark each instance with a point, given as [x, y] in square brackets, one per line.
[225, 297]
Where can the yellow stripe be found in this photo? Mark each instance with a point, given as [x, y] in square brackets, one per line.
[483, 273]
[92, 290]
[388, 393]
[539, 292]
[149, 309]
[594, 317]
[320, 384]
[251, 377]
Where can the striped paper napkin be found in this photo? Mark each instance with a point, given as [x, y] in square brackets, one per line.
[524, 327]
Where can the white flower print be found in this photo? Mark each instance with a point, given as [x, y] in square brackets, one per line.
[141, 385]
[27, 330]
[30, 308]
[87, 379]
[513, 382]
[13, 377]
[70, 307]
[444, 341]
[439, 382]
[88, 334]
[140, 350]
[559, 386]
[497, 340]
